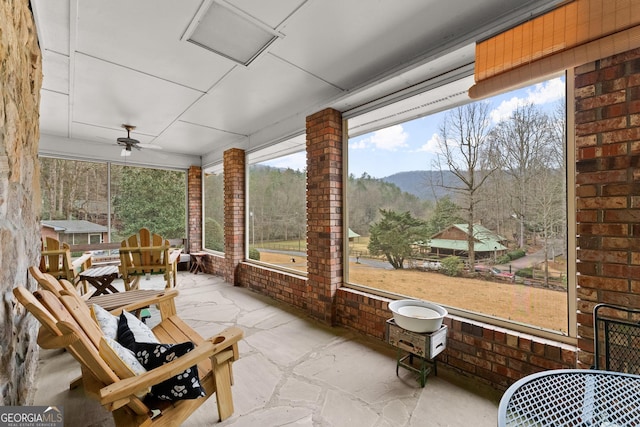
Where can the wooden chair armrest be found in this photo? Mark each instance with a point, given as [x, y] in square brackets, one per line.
[162, 298]
[129, 386]
[82, 263]
[174, 254]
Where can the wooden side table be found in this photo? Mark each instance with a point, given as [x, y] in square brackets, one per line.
[197, 262]
[101, 278]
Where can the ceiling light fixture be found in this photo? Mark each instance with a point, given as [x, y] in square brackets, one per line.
[126, 152]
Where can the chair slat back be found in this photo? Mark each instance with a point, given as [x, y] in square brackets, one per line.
[144, 253]
[46, 280]
[56, 259]
[35, 307]
[82, 315]
[59, 326]
[617, 338]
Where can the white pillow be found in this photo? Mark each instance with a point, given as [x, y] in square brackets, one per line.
[107, 322]
[122, 360]
[124, 354]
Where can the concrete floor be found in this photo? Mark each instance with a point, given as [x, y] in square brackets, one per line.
[292, 372]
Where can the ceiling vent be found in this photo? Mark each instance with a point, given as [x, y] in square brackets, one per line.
[229, 32]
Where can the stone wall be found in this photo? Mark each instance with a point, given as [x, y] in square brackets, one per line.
[20, 82]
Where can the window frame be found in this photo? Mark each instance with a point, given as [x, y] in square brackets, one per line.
[294, 145]
[570, 337]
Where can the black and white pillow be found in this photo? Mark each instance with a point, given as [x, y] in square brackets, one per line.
[132, 330]
[151, 354]
[185, 385]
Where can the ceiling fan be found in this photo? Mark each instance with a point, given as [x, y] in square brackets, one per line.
[128, 143]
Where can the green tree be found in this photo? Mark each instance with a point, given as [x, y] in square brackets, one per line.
[451, 266]
[393, 236]
[213, 235]
[445, 214]
[150, 198]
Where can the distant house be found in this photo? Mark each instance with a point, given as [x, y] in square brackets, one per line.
[453, 241]
[74, 232]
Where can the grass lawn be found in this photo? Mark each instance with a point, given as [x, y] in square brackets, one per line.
[526, 304]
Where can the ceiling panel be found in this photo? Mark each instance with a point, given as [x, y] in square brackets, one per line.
[271, 13]
[145, 35]
[360, 44]
[56, 113]
[188, 138]
[254, 97]
[109, 95]
[52, 21]
[124, 61]
[55, 72]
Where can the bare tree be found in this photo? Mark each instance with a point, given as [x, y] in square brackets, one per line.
[464, 138]
[547, 211]
[521, 146]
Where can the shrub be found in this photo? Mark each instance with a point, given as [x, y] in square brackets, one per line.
[503, 259]
[525, 272]
[254, 254]
[518, 253]
[451, 266]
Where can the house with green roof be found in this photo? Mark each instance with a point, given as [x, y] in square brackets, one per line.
[453, 241]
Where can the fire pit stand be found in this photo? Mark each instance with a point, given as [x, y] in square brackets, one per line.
[424, 347]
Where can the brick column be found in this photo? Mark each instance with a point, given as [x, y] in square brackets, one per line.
[607, 100]
[234, 211]
[194, 212]
[324, 213]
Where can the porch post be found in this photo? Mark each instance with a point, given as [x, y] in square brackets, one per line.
[324, 213]
[194, 212]
[234, 211]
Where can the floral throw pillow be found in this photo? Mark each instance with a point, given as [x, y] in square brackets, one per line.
[185, 385]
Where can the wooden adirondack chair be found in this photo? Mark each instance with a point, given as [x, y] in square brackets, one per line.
[56, 260]
[145, 253]
[66, 323]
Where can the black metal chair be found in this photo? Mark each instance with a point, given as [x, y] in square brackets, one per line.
[616, 338]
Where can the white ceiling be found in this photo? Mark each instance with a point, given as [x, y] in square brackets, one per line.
[106, 63]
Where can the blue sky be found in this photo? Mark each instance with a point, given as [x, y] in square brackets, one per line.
[412, 145]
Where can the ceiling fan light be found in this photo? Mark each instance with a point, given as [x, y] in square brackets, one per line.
[126, 152]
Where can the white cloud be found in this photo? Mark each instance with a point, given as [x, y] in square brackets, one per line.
[389, 139]
[539, 94]
[431, 146]
[358, 145]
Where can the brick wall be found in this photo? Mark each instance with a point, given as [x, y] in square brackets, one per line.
[324, 212]
[194, 203]
[234, 211]
[607, 126]
[492, 355]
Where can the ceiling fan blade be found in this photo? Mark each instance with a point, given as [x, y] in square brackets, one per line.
[127, 141]
[151, 146]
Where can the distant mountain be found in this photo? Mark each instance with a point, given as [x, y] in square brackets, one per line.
[427, 185]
